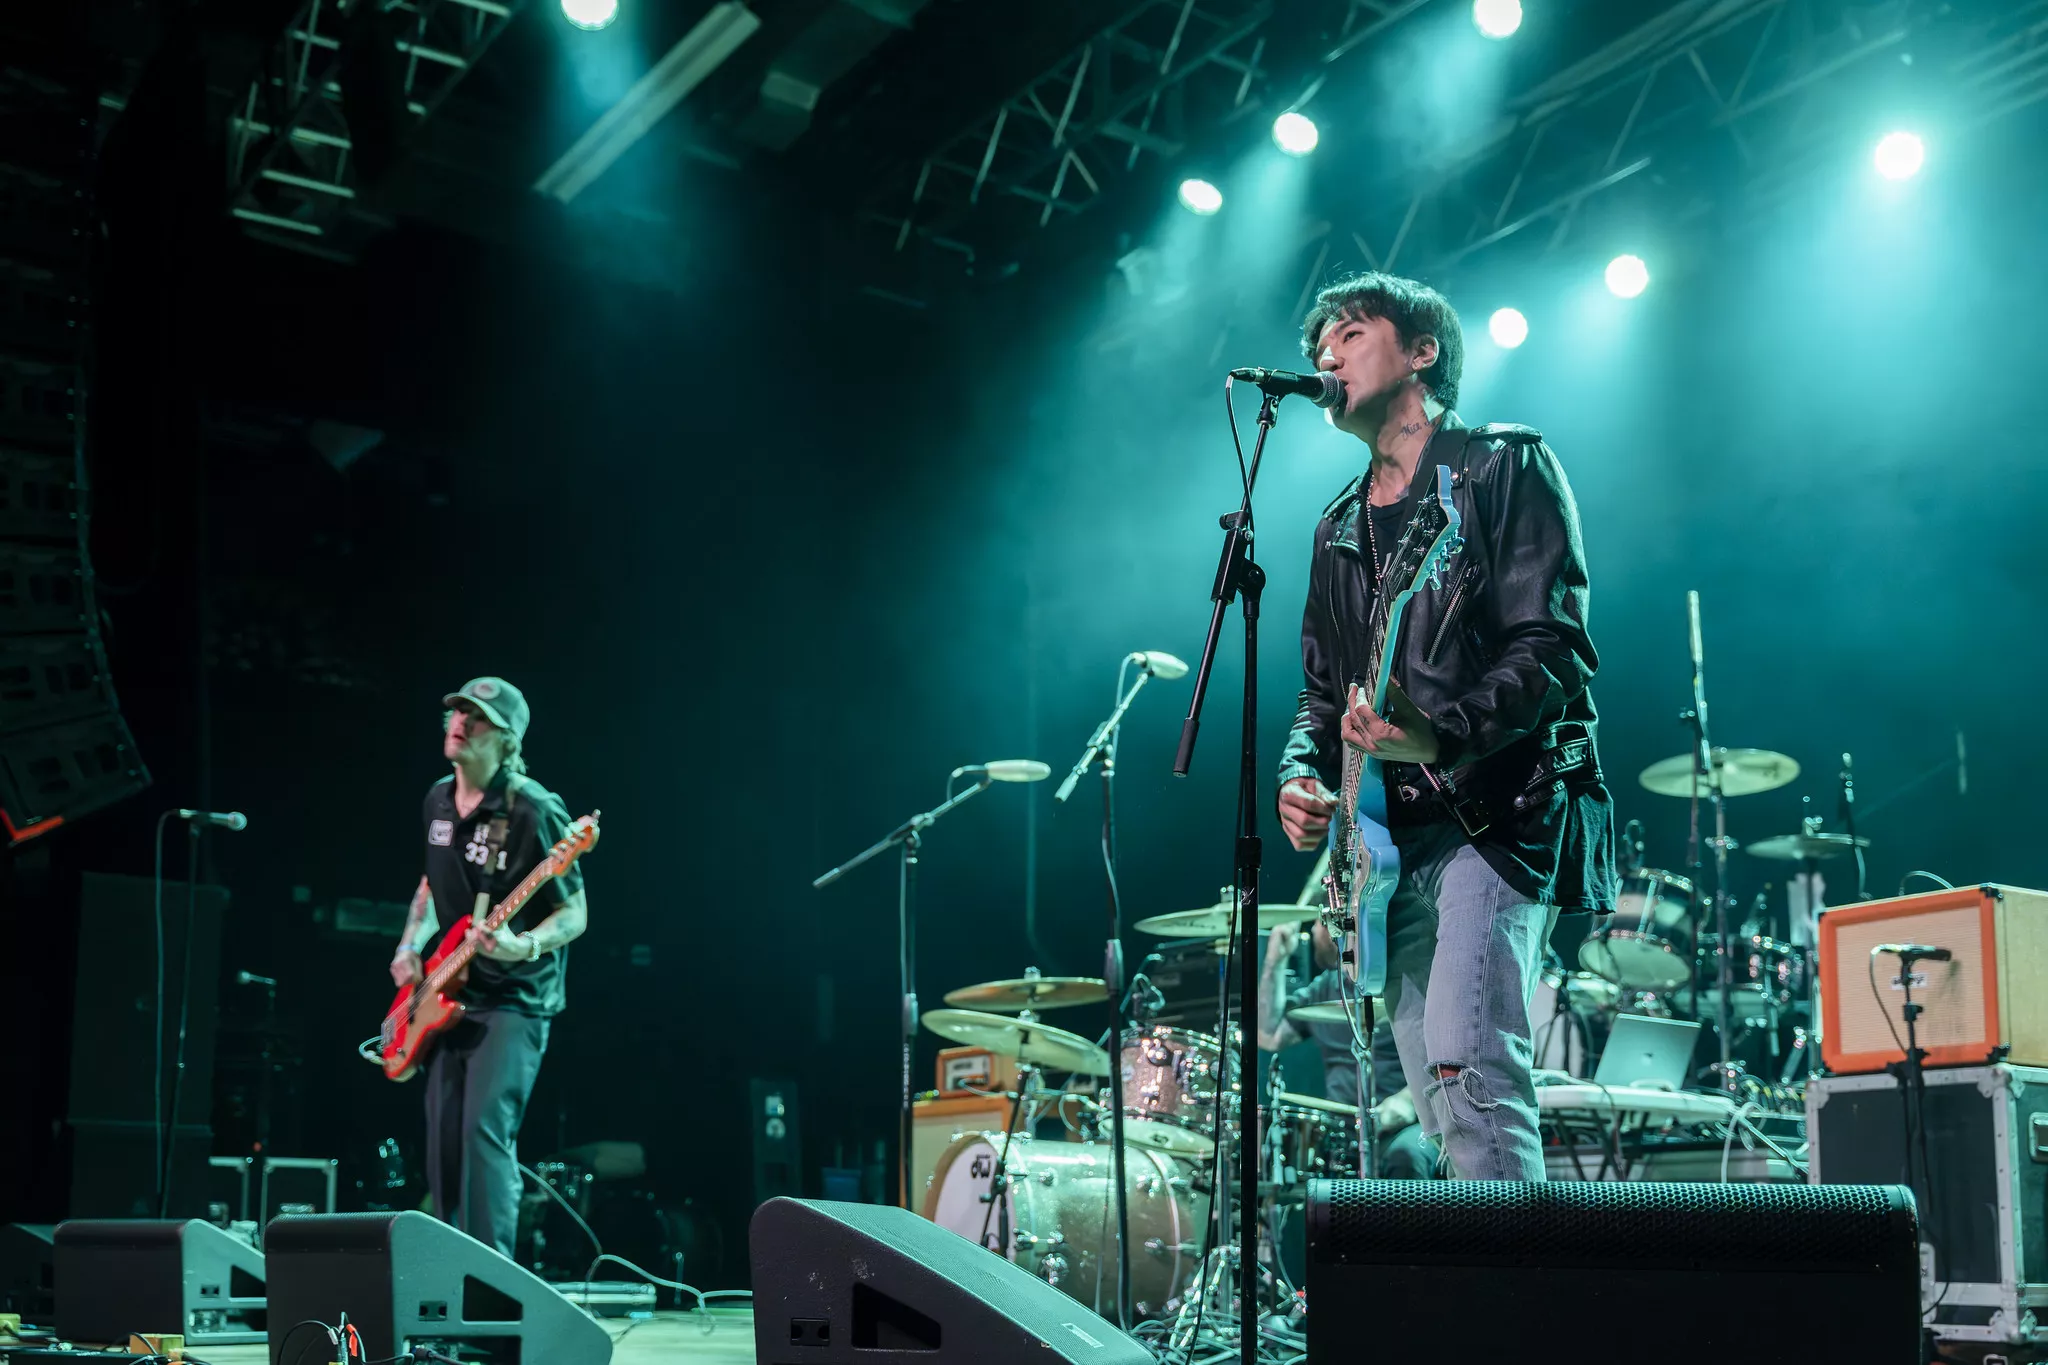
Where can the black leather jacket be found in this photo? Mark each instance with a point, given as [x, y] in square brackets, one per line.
[1498, 658]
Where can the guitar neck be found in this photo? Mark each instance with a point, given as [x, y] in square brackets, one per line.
[505, 909]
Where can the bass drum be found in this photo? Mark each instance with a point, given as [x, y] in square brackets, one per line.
[1062, 1220]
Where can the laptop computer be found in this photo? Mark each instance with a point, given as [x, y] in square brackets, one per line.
[1649, 1052]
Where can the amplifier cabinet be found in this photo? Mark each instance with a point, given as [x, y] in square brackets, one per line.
[1986, 1218]
[935, 1123]
[1987, 1004]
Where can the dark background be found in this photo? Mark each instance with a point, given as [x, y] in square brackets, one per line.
[770, 555]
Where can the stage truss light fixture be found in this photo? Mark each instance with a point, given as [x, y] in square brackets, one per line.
[1295, 134]
[591, 14]
[1199, 196]
[1627, 276]
[1497, 18]
[1508, 328]
[1900, 155]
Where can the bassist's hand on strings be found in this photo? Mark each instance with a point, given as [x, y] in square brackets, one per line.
[1402, 736]
[1305, 809]
[502, 945]
[405, 967]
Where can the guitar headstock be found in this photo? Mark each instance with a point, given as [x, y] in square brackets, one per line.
[581, 838]
[1429, 541]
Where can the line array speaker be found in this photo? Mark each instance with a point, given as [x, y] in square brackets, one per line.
[1561, 1273]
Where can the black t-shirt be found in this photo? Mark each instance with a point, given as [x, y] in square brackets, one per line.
[456, 851]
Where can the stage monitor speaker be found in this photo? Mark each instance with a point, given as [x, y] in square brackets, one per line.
[122, 1275]
[863, 1283]
[406, 1280]
[1546, 1273]
[28, 1272]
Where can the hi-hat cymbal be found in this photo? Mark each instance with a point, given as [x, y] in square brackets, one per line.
[1030, 993]
[1744, 772]
[1213, 920]
[1323, 1012]
[1027, 1041]
[1797, 848]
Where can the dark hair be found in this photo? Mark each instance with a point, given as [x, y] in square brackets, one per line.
[1415, 310]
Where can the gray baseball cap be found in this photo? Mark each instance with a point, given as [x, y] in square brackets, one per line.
[503, 704]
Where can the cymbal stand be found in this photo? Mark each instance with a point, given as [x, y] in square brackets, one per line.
[999, 1179]
[907, 837]
[1707, 776]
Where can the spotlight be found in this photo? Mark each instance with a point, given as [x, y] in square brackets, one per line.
[1199, 196]
[1295, 134]
[1497, 18]
[590, 13]
[1509, 328]
[1900, 155]
[1627, 276]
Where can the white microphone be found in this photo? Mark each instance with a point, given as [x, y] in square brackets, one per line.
[229, 819]
[1016, 770]
[1161, 665]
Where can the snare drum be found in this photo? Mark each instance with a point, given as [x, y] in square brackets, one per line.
[1170, 1087]
[1061, 1219]
[1765, 972]
[1647, 943]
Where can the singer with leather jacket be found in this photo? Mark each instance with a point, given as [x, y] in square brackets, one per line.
[1511, 823]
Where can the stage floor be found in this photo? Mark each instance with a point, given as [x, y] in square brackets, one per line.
[667, 1338]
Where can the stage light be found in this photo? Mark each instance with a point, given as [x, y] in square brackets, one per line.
[1508, 327]
[1627, 276]
[590, 13]
[1295, 134]
[1497, 18]
[1199, 196]
[1899, 156]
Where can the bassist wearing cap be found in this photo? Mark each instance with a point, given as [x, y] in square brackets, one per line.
[488, 826]
[1445, 728]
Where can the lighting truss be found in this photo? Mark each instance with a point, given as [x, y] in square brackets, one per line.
[1141, 84]
[291, 164]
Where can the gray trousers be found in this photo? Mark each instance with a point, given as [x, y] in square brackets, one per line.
[478, 1080]
[1463, 952]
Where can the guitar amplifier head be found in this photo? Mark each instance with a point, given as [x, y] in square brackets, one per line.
[1981, 1002]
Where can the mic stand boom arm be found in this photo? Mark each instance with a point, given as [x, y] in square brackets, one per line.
[907, 836]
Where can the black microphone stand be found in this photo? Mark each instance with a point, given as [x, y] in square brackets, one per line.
[909, 837]
[1708, 775]
[1103, 742]
[1239, 577]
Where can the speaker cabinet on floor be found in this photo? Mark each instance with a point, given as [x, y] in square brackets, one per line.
[28, 1271]
[122, 1275]
[407, 1280]
[836, 1284]
[1558, 1274]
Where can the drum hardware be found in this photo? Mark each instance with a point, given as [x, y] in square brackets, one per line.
[1171, 1086]
[1213, 921]
[907, 838]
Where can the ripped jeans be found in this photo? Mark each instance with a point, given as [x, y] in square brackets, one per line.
[1464, 950]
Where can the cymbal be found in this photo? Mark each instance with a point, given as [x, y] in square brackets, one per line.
[1324, 1012]
[1744, 772]
[1039, 1044]
[1316, 1102]
[1797, 848]
[1030, 993]
[1212, 920]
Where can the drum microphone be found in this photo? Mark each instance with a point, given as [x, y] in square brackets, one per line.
[1009, 770]
[1161, 665]
[1322, 388]
[252, 979]
[1909, 953]
[231, 819]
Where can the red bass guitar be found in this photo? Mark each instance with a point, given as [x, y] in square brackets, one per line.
[428, 1007]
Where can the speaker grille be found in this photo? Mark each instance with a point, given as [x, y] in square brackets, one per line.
[1860, 1227]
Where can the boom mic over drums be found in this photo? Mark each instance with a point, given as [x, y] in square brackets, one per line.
[1322, 389]
[1009, 770]
[1161, 665]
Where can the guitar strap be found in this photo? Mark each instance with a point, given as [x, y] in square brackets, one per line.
[494, 848]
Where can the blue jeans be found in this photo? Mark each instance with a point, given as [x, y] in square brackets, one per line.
[1464, 950]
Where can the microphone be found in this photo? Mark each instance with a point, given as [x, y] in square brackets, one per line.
[1009, 770]
[1161, 665]
[1908, 953]
[251, 979]
[1962, 766]
[229, 819]
[1323, 389]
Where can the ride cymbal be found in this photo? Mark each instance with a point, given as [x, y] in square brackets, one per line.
[1026, 1040]
[1030, 993]
[1798, 848]
[1743, 772]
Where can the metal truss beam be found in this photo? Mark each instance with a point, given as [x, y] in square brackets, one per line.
[292, 163]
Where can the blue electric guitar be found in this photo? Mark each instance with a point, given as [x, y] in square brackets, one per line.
[1364, 864]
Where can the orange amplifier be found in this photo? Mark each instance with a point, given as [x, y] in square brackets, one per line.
[974, 1071]
[1992, 994]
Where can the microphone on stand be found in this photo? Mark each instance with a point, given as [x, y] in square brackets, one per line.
[230, 819]
[1909, 953]
[1161, 665]
[1323, 389]
[252, 979]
